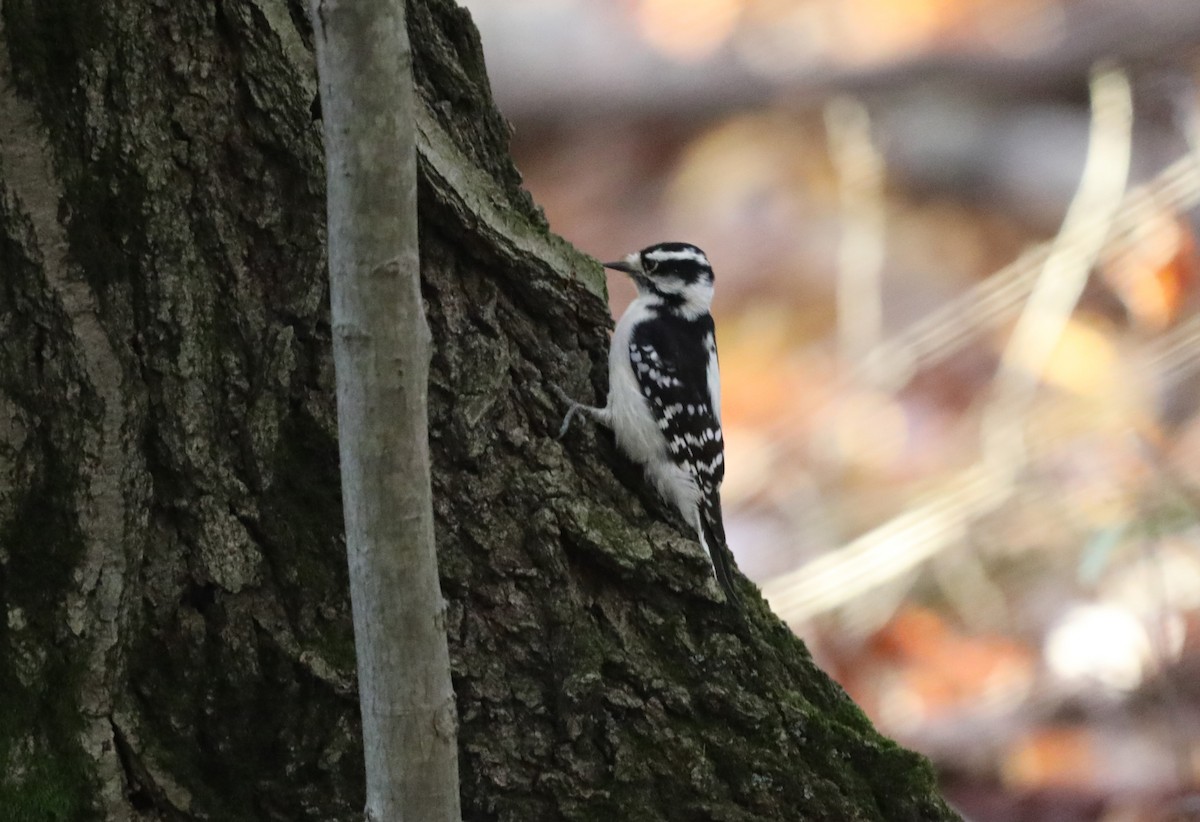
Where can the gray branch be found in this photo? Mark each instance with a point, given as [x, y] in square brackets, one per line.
[381, 353]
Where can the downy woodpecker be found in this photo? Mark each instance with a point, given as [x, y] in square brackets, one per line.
[664, 394]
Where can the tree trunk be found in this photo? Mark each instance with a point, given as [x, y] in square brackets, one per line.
[177, 638]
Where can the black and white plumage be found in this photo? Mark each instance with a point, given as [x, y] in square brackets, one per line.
[664, 395]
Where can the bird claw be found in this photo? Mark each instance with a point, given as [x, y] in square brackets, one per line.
[566, 424]
[571, 411]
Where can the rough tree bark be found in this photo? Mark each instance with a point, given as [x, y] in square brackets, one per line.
[381, 352]
[177, 638]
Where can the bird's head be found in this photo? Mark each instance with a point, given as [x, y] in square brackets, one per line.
[678, 274]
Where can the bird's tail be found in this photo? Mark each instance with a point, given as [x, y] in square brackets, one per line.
[712, 538]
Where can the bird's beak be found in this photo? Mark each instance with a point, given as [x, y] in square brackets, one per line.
[631, 265]
[621, 265]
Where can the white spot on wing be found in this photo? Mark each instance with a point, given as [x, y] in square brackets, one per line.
[713, 372]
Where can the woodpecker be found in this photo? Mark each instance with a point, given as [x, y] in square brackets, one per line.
[664, 393]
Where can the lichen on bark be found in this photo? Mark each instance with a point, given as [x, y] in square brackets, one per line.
[597, 672]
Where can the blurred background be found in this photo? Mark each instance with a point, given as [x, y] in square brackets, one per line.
[958, 316]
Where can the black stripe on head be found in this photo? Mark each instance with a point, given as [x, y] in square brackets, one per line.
[682, 261]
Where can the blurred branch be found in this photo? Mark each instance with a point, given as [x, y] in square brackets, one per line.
[943, 518]
[860, 174]
[1068, 265]
[932, 524]
[943, 332]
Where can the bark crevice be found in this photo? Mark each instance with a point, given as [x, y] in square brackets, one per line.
[95, 610]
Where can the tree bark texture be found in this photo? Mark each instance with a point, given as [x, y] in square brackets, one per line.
[176, 641]
[381, 351]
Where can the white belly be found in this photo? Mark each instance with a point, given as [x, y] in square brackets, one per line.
[633, 424]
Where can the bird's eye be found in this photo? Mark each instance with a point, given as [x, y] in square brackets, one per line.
[649, 265]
